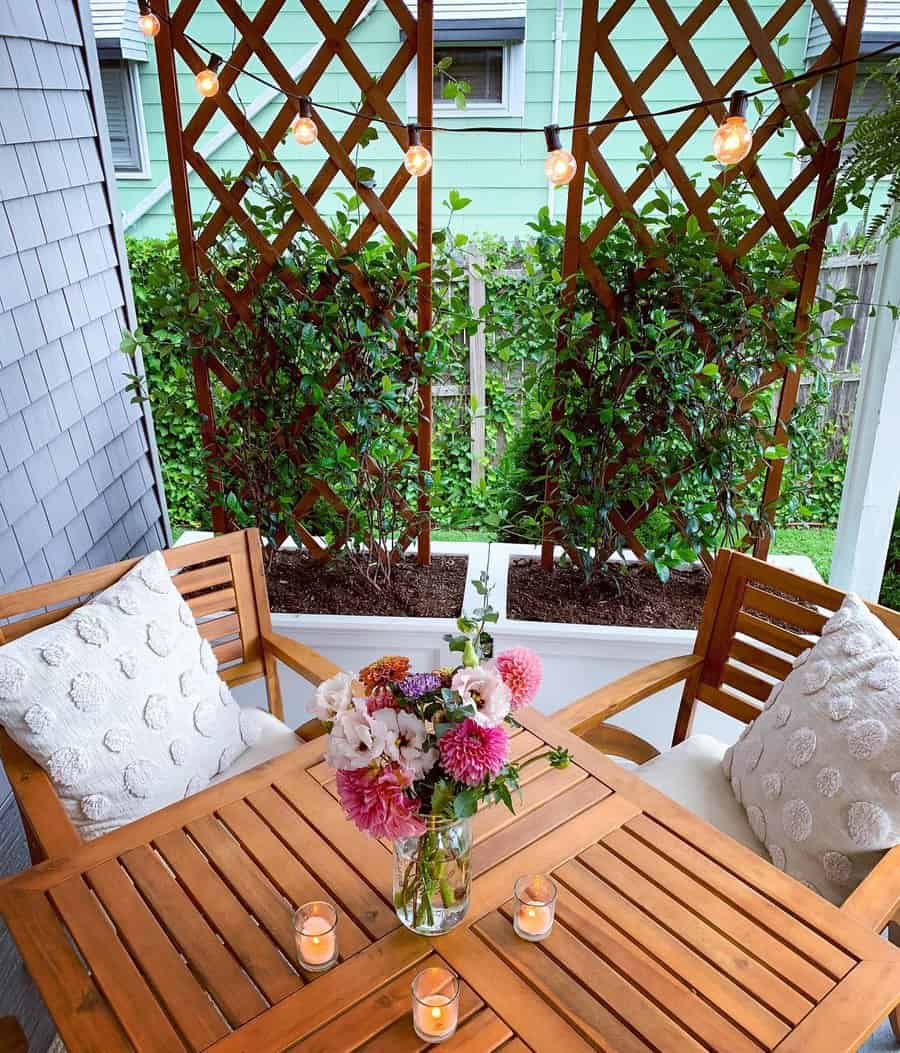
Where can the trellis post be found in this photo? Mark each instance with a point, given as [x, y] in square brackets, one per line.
[425, 106]
[181, 205]
[812, 259]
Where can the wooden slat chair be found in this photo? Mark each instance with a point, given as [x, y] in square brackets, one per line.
[223, 583]
[756, 619]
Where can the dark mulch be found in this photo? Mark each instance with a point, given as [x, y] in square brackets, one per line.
[631, 595]
[300, 585]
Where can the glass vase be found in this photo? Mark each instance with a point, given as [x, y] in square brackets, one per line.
[432, 876]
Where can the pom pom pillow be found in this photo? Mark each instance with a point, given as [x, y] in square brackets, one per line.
[120, 702]
[818, 771]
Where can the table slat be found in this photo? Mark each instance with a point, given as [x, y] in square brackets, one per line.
[706, 939]
[78, 1008]
[248, 942]
[369, 910]
[228, 984]
[185, 1000]
[113, 970]
[643, 931]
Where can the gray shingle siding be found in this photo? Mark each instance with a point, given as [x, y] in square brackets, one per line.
[881, 26]
[79, 484]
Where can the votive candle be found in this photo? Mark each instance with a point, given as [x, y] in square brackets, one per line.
[315, 929]
[435, 997]
[535, 907]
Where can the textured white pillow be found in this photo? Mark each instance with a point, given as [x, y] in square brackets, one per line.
[121, 704]
[818, 771]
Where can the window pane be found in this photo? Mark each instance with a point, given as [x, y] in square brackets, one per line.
[481, 67]
[120, 116]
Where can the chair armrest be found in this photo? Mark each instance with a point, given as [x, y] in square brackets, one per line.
[303, 660]
[876, 900]
[43, 815]
[599, 705]
[312, 729]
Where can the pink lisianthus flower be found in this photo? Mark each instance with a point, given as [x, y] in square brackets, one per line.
[483, 688]
[521, 670]
[471, 752]
[377, 801]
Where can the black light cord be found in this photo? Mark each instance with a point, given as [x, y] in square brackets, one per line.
[601, 122]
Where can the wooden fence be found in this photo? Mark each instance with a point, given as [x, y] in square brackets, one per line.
[844, 268]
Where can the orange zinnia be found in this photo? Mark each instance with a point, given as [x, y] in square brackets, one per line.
[386, 670]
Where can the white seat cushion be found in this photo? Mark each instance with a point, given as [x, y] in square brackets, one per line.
[270, 738]
[691, 774]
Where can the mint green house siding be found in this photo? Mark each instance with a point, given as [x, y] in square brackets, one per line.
[503, 174]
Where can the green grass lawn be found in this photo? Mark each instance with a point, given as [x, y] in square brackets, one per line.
[815, 542]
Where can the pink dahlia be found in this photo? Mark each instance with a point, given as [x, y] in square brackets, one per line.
[376, 800]
[521, 670]
[470, 752]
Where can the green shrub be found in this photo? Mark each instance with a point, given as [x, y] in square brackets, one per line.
[890, 587]
[159, 298]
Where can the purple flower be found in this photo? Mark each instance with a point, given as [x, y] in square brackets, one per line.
[418, 684]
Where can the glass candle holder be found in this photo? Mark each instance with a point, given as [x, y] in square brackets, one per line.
[435, 1004]
[535, 907]
[315, 930]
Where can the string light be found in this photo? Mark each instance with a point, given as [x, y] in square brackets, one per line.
[207, 80]
[303, 128]
[731, 143]
[147, 22]
[417, 160]
[560, 166]
[733, 139]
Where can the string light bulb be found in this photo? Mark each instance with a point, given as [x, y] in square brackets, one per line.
[560, 166]
[303, 128]
[733, 139]
[207, 80]
[417, 160]
[148, 23]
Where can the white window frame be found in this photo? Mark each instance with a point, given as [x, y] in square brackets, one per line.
[513, 104]
[135, 116]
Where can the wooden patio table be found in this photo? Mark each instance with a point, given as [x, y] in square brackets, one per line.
[175, 933]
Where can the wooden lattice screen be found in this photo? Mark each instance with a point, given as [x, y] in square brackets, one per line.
[817, 174]
[195, 244]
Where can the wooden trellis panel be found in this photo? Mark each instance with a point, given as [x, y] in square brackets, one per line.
[196, 243]
[818, 173]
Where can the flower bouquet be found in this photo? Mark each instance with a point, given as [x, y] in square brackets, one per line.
[416, 753]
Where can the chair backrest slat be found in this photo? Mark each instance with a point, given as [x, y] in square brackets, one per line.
[764, 617]
[215, 577]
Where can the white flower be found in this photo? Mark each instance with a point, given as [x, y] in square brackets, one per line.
[356, 740]
[405, 736]
[484, 689]
[333, 698]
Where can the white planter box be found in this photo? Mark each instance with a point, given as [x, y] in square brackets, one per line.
[577, 659]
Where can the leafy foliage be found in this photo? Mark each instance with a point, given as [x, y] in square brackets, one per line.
[871, 164]
[283, 356]
[324, 398]
[890, 587]
[158, 285]
[671, 404]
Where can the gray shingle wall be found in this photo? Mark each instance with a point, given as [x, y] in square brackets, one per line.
[79, 484]
[77, 480]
